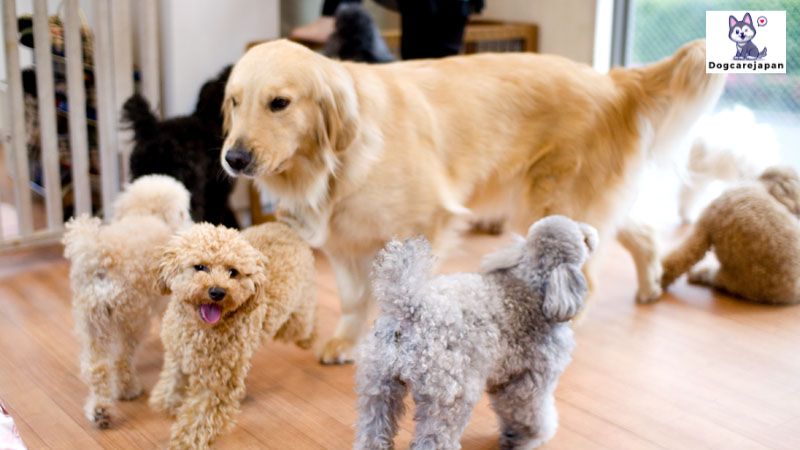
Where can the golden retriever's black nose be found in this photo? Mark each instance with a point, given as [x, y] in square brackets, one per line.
[239, 159]
[216, 293]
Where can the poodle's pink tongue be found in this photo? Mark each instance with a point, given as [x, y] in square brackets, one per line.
[210, 313]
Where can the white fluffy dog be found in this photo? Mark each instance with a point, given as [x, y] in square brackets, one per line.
[113, 272]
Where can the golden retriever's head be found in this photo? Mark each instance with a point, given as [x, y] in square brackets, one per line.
[286, 107]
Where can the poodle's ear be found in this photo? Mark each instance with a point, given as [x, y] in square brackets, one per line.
[564, 293]
[783, 183]
[338, 105]
[167, 269]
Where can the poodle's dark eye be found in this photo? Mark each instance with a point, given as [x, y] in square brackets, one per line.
[278, 104]
[201, 267]
[234, 273]
[234, 103]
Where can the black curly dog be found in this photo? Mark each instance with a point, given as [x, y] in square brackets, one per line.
[186, 148]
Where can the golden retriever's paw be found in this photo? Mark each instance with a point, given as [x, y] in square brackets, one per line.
[337, 351]
[649, 294]
[650, 290]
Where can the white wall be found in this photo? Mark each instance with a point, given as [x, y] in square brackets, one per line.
[566, 27]
[200, 37]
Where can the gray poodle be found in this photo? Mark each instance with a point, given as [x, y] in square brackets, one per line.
[447, 338]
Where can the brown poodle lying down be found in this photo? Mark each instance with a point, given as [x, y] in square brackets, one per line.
[755, 235]
[229, 290]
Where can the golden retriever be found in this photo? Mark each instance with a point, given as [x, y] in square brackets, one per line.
[358, 154]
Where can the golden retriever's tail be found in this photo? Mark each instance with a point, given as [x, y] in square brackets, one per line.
[670, 95]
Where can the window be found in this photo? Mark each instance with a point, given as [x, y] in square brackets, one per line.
[657, 27]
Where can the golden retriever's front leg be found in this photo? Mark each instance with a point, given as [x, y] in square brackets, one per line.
[352, 278]
[641, 241]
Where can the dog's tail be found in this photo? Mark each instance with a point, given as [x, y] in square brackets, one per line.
[137, 114]
[670, 95]
[356, 37]
[398, 273]
[763, 53]
[81, 236]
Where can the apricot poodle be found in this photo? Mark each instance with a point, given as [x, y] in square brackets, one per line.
[755, 235]
[229, 290]
[113, 293]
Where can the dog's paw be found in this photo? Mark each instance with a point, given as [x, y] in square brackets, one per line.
[305, 344]
[649, 295]
[131, 393]
[164, 403]
[651, 290]
[702, 275]
[99, 415]
[337, 351]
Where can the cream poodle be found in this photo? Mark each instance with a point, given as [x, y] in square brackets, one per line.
[755, 235]
[113, 293]
[229, 290]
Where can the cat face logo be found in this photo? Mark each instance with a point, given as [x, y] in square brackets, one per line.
[742, 33]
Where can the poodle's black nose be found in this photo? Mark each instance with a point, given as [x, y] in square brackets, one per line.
[239, 159]
[216, 293]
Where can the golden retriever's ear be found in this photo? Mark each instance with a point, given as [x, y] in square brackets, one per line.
[226, 116]
[338, 104]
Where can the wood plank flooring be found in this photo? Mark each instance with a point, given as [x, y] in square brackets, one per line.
[696, 370]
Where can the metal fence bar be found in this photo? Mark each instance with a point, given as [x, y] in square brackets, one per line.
[122, 31]
[18, 150]
[149, 58]
[106, 116]
[47, 115]
[78, 140]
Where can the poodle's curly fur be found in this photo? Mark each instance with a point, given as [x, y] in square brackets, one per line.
[448, 338]
[755, 235]
[356, 37]
[113, 293]
[229, 290]
[187, 148]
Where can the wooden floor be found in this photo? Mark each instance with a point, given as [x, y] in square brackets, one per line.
[695, 370]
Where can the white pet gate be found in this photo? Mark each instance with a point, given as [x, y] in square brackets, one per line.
[113, 56]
